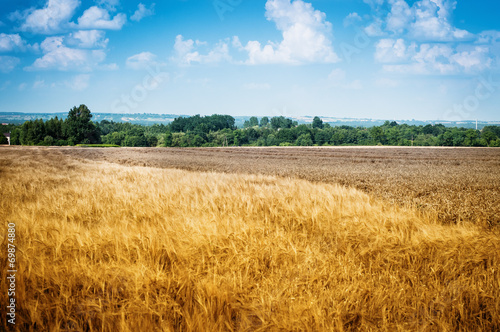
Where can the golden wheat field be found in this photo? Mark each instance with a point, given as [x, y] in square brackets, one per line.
[456, 184]
[105, 246]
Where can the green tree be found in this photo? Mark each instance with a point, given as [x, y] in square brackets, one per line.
[271, 140]
[264, 121]
[48, 140]
[377, 134]
[281, 122]
[317, 123]
[79, 127]
[322, 137]
[15, 136]
[168, 139]
[304, 140]
[253, 121]
[489, 137]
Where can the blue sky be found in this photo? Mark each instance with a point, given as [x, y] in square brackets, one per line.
[383, 59]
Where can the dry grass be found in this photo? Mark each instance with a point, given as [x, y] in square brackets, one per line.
[457, 184]
[123, 248]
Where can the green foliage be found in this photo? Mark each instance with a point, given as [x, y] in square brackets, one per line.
[219, 130]
[252, 122]
[264, 121]
[278, 122]
[204, 124]
[317, 123]
[48, 140]
[304, 140]
[3, 139]
[79, 128]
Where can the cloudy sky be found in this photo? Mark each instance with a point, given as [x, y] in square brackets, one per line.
[383, 59]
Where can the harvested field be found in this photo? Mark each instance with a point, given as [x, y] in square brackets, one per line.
[458, 184]
[111, 247]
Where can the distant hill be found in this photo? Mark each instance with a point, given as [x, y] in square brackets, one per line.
[151, 119]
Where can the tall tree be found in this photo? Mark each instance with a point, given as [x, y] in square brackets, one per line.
[79, 127]
[264, 121]
[317, 123]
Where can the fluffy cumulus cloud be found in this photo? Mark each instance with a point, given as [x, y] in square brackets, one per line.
[142, 12]
[398, 57]
[57, 56]
[11, 42]
[400, 16]
[306, 36]
[425, 20]
[108, 4]
[99, 18]
[420, 39]
[52, 18]
[352, 19]
[8, 63]
[431, 21]
[56, 15]
[391, 50]
[188, 52]
[142, 61]
[88, 39]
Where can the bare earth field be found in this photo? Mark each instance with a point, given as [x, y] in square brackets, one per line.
[459, 184]
[105, 242]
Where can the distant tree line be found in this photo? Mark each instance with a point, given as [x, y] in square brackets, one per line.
[280, 131]
[220, 130]
[75, 129]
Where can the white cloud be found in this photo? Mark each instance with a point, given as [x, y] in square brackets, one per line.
[374, 29]
[48, 20]
[434, 59]
[305, 31]
[38, 84]
[399, 17]
[99, 18]
[79, 82]
[108, 4]
[183, 47]
[431, 21]
[475, 60]
[425, 20]
[390, 50]
[8, 63]
[374, 3]
[423, 40]
[11, 42]
[60, 57]
[22, 86]
[352, 19]
[142, 61]
[187, 52]
[257, 86]
[489, 37]
[89, 39]
[142, 11]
